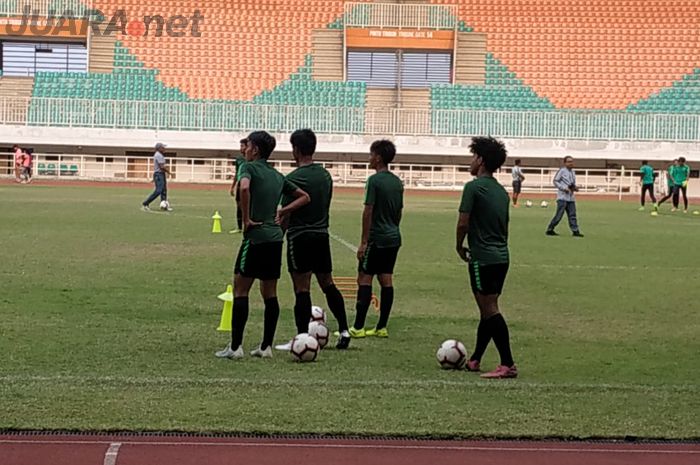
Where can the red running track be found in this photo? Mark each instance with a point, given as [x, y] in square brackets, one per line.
[152, 450]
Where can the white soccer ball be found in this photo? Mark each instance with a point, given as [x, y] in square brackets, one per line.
[528, 203]
[317, 314]
[544, 204]
[304, 348]
[452, 355]
[164, 205]
[320, 332]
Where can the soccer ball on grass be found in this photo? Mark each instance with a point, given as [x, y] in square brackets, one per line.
[320, 332]
[528, 203]
[165, 205]
[544, 204]
[304, 348]
[317, 314]
[452, 355]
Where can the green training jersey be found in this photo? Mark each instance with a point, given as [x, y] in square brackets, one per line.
[647, 174]
[384, 192]
[681, 173]
[669, 175]
[239, 161]
[316, 181]
[487, 203]
[266, 188]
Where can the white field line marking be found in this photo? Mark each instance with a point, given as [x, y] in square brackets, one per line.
[601, 267]
[457, 263]
[437, 447]
[344, 242]
[112, 453]
[186, 382]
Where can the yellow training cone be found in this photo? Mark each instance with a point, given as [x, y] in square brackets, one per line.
[216, 227]
[227, 297]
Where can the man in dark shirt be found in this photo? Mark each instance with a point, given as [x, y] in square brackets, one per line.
[483, 220]
[308, 242]
[260, 254]
[381, 239]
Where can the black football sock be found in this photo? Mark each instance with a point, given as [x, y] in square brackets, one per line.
[272, 314]
[336, 304]
[483, 337]
[239, 318]
[385, 304]
[499, 330]
[364, 297]
[302, 311]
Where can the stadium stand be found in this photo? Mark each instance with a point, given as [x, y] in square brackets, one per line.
[611, 56]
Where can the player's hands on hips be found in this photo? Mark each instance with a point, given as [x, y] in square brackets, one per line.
[250, 224]
[361, 251]
[463, 253]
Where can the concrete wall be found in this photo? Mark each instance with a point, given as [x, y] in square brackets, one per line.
[338, 147]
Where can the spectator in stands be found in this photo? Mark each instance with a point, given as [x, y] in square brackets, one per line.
[565, 182]
[681, 173]
[18, 162]
[518, 178]
[647, 182]
[159, 173]
[27, 166]
[669, 183]
[234, 191]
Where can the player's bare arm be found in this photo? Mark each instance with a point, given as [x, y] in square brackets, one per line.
[245, 205]
[462, 231]
[366, 223]
[301, 198]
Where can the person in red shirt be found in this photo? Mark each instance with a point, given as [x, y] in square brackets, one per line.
[27, 166]
[18, 162]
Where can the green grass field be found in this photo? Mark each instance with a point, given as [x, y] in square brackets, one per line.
[109, 316]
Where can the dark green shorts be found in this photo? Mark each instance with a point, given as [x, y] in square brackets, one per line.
[259, 261]
[378, 260]
[309, 252]
[487, 279]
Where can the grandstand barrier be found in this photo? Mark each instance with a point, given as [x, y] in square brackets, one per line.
[400, 16]
[220, 171]
[231, 116]
[46, 8]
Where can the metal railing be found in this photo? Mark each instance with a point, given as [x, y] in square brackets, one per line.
[230, 116]
[394, 15]
[45, 8]
[220, 171]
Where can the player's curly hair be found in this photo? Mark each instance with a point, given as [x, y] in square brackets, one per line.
[491, 150]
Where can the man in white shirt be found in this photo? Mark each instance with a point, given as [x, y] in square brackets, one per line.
[565, 182]
[518, 178]
[159, 172]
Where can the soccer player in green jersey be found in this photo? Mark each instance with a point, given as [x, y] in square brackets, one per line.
[681, 173]
[669, 183]
[381, 239]
[234, 191]
[647, 181]
[483, 220]
[260, 254]
[308, 243]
